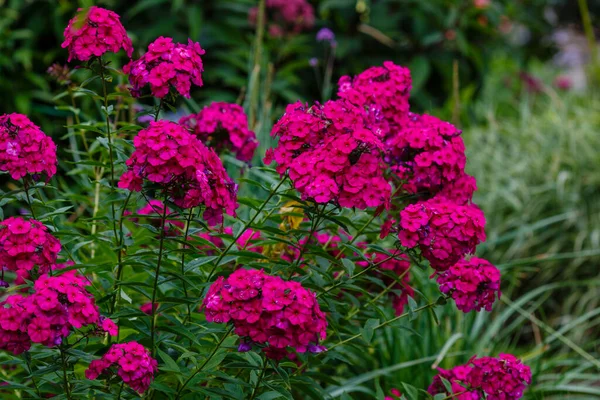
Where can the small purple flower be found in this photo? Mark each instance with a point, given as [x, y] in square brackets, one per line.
[244, 347]
[325, 35]
[313, 62]
[316, 348]
[4, 284]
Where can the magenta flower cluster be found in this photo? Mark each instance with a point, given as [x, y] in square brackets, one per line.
[331, 155]
[25, 149]
[25, 245]
[428, 155]
[501, 378]
[170, 157]
[166, 65]
[93, 32]
[382, 90]
[154, 209]
[444, 231]
[223, 126]
[57, 305]
[266, 310]
[286, 17]
[473, 284]
[133, 363]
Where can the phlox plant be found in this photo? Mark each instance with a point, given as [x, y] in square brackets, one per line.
[131, 266]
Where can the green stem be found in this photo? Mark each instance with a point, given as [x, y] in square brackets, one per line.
[385, 323]
[156, 275]
[185, 235]
[255, 75]
[589, 30]
[199, 369]
[120, 390]
[259, 380]
[120, 263]
[65, 379]
[27, 356]
[314, 224]
[364, 271]
[246, 225]
[29, 200]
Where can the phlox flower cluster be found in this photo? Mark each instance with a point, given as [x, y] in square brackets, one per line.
[331, 155]
[133, 363]
[473, 284]
[444, 231]
[57, 305]
[400, 266]
[496, 378]
[502, 378]
[457, 377]
[25, 245]
[170, 157]
[428, 155]
[266, 310]
[223, 126]
[387, 88]
[25, 149]
[93, 32]
[166, 65]
[286, 17]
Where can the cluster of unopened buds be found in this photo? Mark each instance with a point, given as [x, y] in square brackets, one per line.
[286, 17]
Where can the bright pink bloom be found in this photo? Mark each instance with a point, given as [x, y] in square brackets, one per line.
[167, 65]
[286, 17]
[394, 394]
[563, 82]
[146, 308]
[444, 231]
[331, 155]
[428, 155]
[167, 155]
[48, 314]
[266, 310]
[133, 363]
[379, 90]
[502, 378]
[25, 149]
[25, 245]
[473, 284]
[223, 126]
[93, 32]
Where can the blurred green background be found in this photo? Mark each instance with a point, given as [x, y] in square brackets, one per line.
[519, 76]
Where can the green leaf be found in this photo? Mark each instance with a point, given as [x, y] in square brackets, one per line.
[368, 329]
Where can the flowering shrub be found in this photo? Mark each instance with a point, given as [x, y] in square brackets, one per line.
[162, 272]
